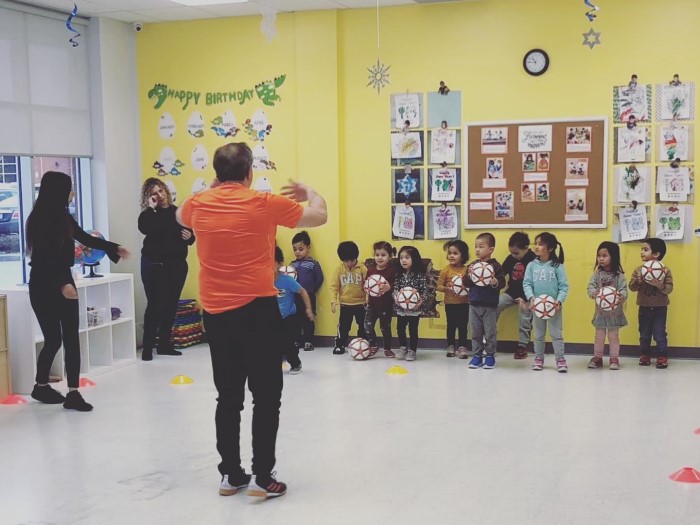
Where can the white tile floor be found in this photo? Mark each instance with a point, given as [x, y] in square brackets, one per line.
[441, 445]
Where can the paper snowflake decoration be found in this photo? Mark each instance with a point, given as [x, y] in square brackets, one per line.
[591, 39]
[378, 76]
[407, 186]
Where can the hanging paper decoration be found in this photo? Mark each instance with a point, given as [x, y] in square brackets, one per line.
[404, 226]
[378, 76]
[69, 25]
[268, 23]
[591, 14]
[591, 39]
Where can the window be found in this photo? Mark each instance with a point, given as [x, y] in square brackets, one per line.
[8, 170]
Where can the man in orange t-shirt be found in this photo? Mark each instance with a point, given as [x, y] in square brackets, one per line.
[235, 228]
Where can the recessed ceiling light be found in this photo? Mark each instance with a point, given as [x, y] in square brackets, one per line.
[202, 3]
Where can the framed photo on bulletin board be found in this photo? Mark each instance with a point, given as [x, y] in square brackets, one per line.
[539, 173]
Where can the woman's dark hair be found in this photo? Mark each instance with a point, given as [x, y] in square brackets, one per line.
[49, 217]
[302, 237]
[614, 251]
[279, 256]
[416, 260]
[520, 240]
[551, 242]
[383, 245]
[232, 162]
[462, 248]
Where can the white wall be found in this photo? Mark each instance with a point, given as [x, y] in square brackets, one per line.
[116, 145]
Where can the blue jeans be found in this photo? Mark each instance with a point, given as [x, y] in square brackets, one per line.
[652, 322]
[555, 332]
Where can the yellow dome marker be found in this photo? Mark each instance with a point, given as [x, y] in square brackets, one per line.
[181, 380]
[397, 370]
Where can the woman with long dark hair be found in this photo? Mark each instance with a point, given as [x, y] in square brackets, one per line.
[163, 265]
[51, 232]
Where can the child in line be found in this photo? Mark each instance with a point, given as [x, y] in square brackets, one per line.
[483, 314]
[546, 275]
[412, 274]
[347, 292]
[514, 267]
[380, 308]
[608, 272]
[456, 307]
[310, 277]
[287, 288]
[653, 305]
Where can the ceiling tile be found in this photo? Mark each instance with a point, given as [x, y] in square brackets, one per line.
[175, 13]
[130, 16]
[246, 9]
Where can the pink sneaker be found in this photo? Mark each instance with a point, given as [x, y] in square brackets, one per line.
[538, 364]
[389, 353]
[562, 367]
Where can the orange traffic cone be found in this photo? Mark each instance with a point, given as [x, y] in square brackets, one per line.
[13, 399]
[686, 475]
[85, 382]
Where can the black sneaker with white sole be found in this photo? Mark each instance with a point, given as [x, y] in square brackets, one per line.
[230, 485]
[266, 487]
[339, 350]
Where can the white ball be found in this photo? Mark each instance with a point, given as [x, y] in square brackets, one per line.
[359, 349]
[289, 270]
[457, 286]
[607, 298]
[408, 298]
[481, 273]
[653, 270]
[374, 284]
[544, 306]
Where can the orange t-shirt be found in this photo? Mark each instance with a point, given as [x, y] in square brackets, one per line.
[235, 229]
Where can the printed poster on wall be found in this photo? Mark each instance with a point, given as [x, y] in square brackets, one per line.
[673, 184]
[535, 138]
[445, 224]
[631, 144]
[670, 223]
[494, 141]
[406, 145]
[633, 224]
[576, 207]
[443, 184]
[673, 143]
[576, 172]
[578, 139]
[404, 226]
[407, 108]
[442, 146]
[633, 183]
[503, 209]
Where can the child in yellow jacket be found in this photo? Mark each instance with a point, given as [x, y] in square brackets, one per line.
[347, 292]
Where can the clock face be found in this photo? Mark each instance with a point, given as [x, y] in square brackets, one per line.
[536, 62]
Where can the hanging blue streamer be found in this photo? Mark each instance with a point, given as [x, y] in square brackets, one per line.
[72, 14]
[591, 14]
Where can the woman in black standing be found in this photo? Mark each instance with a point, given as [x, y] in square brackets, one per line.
[163, 265]
[51, 232]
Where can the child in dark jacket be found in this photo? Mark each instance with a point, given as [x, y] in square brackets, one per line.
[310, 277]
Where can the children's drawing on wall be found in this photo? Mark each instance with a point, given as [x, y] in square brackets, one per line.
[673, 143]
[576, 172]
[407, 108]
[673, 184]
[527, 193]
[542, 194]
[632, 100]
[543, 161]
[261, 159]
[406, 145]
[195, 125]
[444, 222]
[199, 158]
[494, 167]
[408, 222]
[494, 141]
[442, 145]
[670, 222]
[503, 205]
[225, 125]
[168, 163]
[578, 139]
[633, 183]
[529, 162]
[443, 184]
[166, 126]
[633, 223]
[199, 185]
[631, 144]
[576, 209]
[407, 185]
[257, 127]
[535, 138]
[676, 101]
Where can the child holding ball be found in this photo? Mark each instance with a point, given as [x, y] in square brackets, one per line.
[456, 306]
[380, 308]
[411, 274]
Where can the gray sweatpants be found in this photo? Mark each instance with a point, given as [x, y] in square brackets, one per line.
[483, 320]
[524, 318]
[555, 332]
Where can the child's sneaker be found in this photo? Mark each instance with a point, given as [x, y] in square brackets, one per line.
[308, 347]
[538, 364]
[401, 353]
[521, 352]
[373, 351]
[662, 362]
[476, 362]
[338, 350]
[267, 487]
[229, 486]
[562, 367]
[462, 352]
[389, 353]
[295, 370]
[595, 362]
[489, 362]
[450, 351]
[644, 360]
[614, 363]
[411, 355]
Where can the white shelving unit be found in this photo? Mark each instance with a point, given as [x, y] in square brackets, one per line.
[103, 347]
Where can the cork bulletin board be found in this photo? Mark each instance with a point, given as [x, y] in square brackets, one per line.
[547, 173]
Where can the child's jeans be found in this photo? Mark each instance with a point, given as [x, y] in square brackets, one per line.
[652, 322]
[483, 321]
[555, 332]
[524, 321]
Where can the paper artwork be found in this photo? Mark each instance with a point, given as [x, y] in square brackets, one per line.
[404, 226]
[543, 161]
[631, 144]
[443, 184]
[406, 145]
[527, 193]
[632, 101]
[494, 141]
[445, 223]
[633, 183]
[503, 205]
[535, 177]
[529, 162]
[480, 205]
[407, 186]
[633, 223]
[673, 184]
[542, 192]
[670, 222]
[675, 102]
[407, 108]
[576, 207]
[442, 146]
[494, 183]
[494, 167]
[578, 139]
[166, 126]
[261, 159]
[199, 158]
[673, 143]
[199, 185]
[535, 138]
[195, 125]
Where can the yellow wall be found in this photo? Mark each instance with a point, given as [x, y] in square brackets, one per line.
[333, 132]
